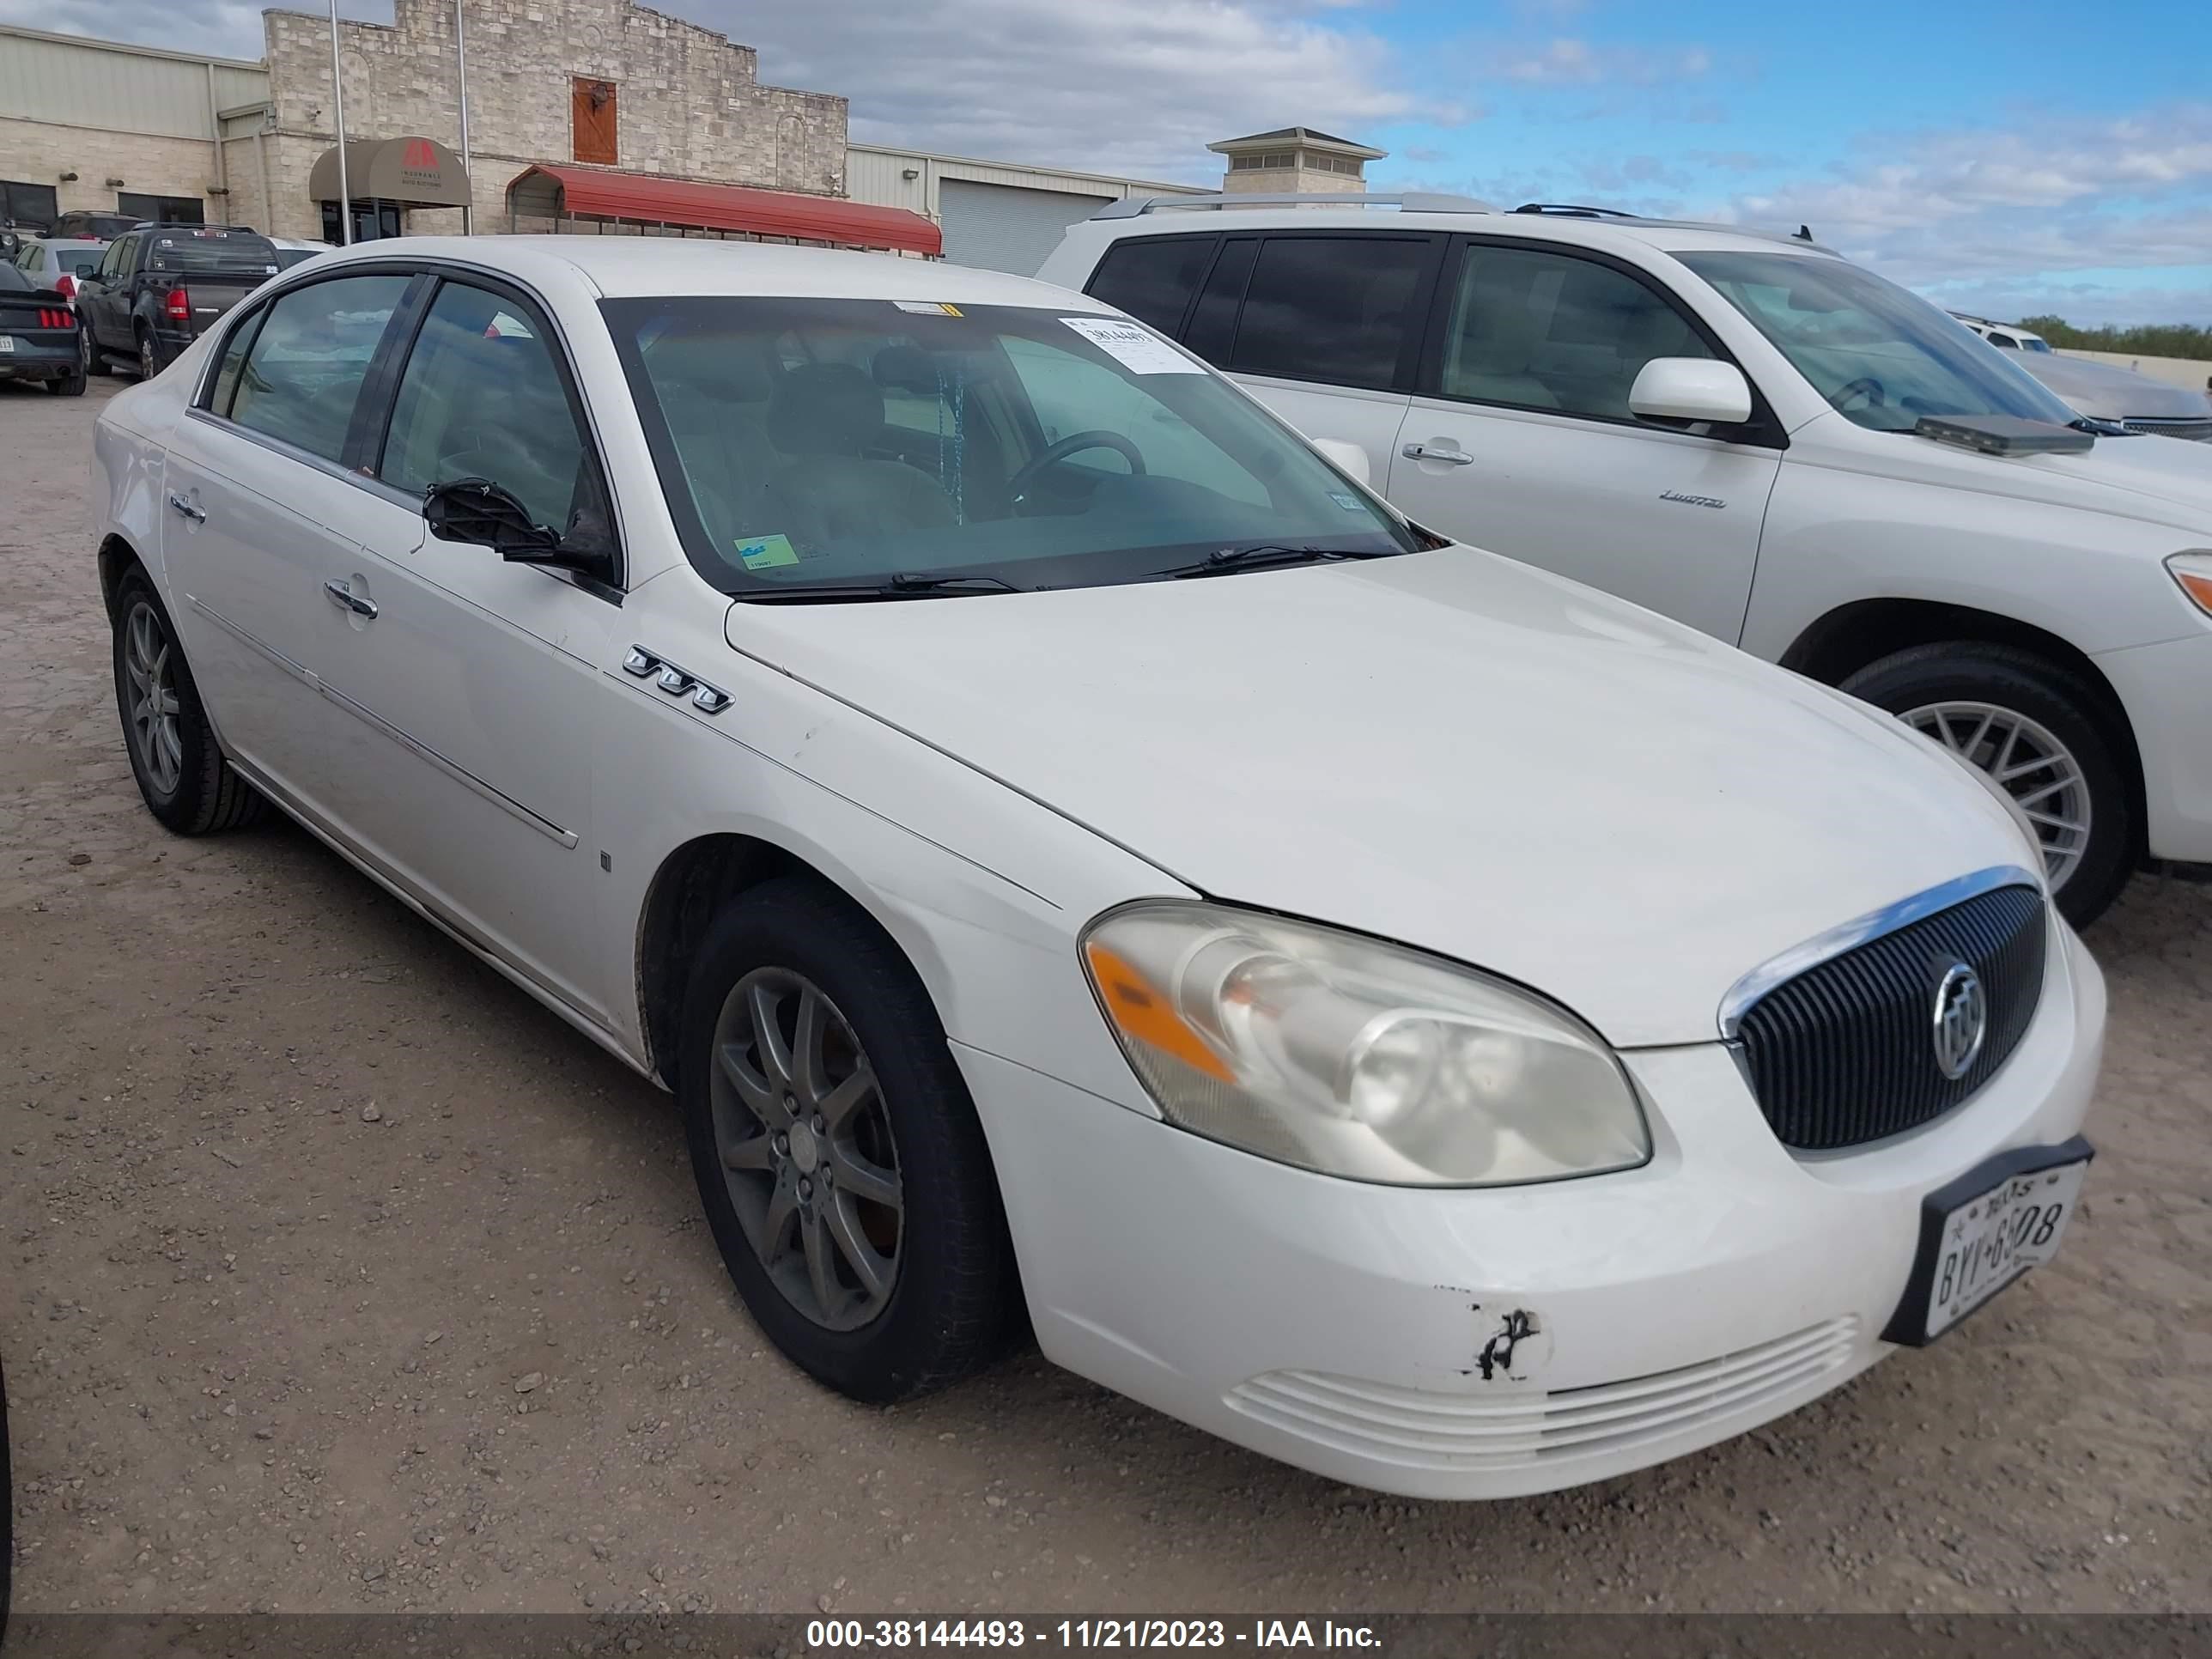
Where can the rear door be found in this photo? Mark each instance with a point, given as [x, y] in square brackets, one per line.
[261, 505]
[1324, 327]
[1520, 438]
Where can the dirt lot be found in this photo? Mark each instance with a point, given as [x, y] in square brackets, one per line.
[339, 1275]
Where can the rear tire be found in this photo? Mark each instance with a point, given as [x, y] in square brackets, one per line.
[181, 772]
[947, 1300]
[149, 355]
[95, 360]
[2044, 725]
[70, 385]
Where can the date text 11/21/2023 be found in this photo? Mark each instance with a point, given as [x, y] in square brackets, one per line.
[933, 1634]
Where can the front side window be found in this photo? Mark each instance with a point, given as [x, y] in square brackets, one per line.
[302, 373]
[2035, 345]
[1539, 329]
[1153, 281]
[847, 444]
[1884, 357]
[483, 397]
[2006, 341]
[1336, 309]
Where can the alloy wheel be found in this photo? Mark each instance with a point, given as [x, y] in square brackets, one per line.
[148, 663]
[806, 1149]
[147, 367]
[2025, 758]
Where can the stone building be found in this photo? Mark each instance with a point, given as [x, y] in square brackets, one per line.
[1294, 162]
[561, 80]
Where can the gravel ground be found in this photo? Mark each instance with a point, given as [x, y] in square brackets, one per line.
[339, 1275]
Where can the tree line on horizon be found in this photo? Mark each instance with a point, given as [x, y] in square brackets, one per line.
[2143, 340]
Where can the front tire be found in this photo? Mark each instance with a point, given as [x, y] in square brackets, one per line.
[839, 1157]
[181, 772]
[2045, 735]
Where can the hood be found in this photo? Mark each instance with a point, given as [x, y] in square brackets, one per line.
[1445, 749]
[2162, 481]
[2105, 391]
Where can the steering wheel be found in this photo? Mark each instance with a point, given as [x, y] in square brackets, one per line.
[1875, 393]
[1075, 444]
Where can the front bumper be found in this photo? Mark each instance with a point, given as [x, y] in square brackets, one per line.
[1488, 1344]
[2166, 689]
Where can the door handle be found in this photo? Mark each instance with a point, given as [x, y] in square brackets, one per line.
[341, 594]
[187, 509]
[1449, 456]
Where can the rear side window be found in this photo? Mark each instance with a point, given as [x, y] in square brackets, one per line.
[303, 372]
[1332, 308]
[1153, 281]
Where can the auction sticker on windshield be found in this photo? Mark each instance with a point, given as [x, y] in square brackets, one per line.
[1138, 352]
[1985, 1230]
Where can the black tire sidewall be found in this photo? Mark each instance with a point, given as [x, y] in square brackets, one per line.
[193, 807]
[2053, 699]
[947, 1313]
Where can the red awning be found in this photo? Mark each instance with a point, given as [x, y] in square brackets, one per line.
[642, 198]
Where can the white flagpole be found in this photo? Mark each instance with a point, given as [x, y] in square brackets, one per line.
[461, 63]
[338, 106]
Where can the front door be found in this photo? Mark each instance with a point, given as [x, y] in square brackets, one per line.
[104, 307]
[469, 682]
[1521, 439]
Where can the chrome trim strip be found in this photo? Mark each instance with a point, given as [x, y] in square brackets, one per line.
[460, 773]
[436, 915]
[1850, 935]
[307, 676]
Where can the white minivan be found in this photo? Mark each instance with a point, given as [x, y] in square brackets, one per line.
[1751, 435]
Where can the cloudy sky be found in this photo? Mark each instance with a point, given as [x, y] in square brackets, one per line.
[2011, 158]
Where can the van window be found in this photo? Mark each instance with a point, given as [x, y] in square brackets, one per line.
[1552, 331]
[1153, 281]
[1332, 308]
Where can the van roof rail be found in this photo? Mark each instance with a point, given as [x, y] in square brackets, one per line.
[1411, 201]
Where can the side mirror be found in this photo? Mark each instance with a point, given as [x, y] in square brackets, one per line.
[1691, 389]
[1350, 458]
[480, 512]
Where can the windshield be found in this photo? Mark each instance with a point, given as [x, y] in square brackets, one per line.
[288, 257]
[1883, 356]
[231, 251]
[2031, 342]
[846, 443]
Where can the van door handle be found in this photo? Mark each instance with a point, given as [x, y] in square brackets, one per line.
[187, 509]
[1442, 452]
[341, 594]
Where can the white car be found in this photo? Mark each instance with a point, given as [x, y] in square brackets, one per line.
[1066, 844]
[2007, 337]
[1727, 428]
[297, 250]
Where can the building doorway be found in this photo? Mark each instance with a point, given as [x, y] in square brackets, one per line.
[372, 221]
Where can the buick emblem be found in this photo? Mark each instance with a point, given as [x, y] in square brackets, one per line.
[1962, 1020]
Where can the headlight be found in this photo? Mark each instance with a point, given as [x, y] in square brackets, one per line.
[1354, 1058]
[2193, 570]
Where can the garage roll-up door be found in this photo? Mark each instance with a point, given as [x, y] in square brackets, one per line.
[998, 228]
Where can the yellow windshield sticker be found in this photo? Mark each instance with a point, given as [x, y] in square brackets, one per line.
[764, 552]
[927, 307]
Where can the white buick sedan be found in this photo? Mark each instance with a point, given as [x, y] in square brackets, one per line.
[1076, 855]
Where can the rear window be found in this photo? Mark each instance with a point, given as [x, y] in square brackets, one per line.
[237, 251]
[79, 262]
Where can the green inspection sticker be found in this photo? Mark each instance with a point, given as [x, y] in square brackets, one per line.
[764, 552]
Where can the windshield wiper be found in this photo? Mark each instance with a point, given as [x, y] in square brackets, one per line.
[1222, 561]
[905, 585]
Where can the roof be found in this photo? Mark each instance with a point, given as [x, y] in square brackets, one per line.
[1306, 136]
[649, 267]
[647, 199]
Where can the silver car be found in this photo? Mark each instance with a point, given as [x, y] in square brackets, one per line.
[57, 262]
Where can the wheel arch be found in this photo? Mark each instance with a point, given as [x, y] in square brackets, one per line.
[117, 560]
[1851, 637]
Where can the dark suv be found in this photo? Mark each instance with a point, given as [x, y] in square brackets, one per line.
[160, 287]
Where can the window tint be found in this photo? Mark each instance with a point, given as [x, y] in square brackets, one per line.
[237, 251]
[1213, 325]
[2004, 340]
[483, 397]
[234, 359]
[1332, 308]
[303, 370]
[1153, 281]
[1548, 330]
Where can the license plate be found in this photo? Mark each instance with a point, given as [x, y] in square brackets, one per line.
[1984, 1231]
[7, 344]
